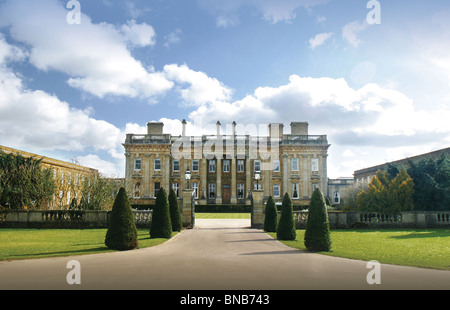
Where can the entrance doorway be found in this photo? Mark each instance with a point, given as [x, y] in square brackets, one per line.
[226, 194]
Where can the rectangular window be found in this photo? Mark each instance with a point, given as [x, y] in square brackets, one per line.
[295, 191]
[257, 186]
[212, 190]
[212, 165]
[176, 165]
[156, 187]
[137, 164]
[226, 165]
[315, 186]
[257, 166]
[315, 164]
[240, 165]
[157, 164]
[240, 191]
[294, 162]
[337, 198]
[195, 165]
[176, 187]
[276, 165]
[195, 188]
[276, 190]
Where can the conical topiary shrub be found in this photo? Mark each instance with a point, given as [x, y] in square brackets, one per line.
[286, 227]
[317, 233]
[121, 234]
[270, 216]
[175, 213]
[161, 226]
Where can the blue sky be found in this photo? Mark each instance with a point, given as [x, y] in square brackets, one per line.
[72, 91]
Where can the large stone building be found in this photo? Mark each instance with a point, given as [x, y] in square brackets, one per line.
[70, 179]
[223, 168]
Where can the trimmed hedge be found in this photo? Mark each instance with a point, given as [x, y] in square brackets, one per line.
[121, 234]
[286, 227]
[175, 212]
[161, 226]
[271, 216]
[317, 233]
[223, 208]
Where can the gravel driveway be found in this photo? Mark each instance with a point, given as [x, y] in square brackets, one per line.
[215, 255]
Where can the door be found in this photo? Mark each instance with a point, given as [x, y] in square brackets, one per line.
[226, 194]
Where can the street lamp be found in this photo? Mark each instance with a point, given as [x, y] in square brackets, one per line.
[187, 176]
[257, 178]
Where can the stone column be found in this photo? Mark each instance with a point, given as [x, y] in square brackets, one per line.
[204, 187]
[166, 174]
[248, 175]
[146, 171]
[306, 180]
[285, 175]
[218, 180]
[233, 180]
[187, 208]
[257, 220]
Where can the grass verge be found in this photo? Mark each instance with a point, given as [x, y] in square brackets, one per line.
[428, 248]
[39, 243]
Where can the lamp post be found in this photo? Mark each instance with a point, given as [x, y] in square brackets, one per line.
[257, 178]
[187, 176]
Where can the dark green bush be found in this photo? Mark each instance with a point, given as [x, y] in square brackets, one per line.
[271, 216]
[121, 234]
[175, 213]
[161, 226]
[317, 233]
[286, 227]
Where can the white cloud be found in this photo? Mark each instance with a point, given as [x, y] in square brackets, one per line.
[351, 30]
[94, 56]
[319, 39]
[272, 11]
[201, 89]
[140, 35]
[172, 38]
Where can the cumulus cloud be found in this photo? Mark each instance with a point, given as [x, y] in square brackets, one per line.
[319, 39]
[195, 87]
[351, 31]
[94, 56]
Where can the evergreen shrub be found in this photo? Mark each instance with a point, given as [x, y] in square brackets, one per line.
[317, 233]
[161, 226]
[286, 226]
[271, 216]
[121, 234]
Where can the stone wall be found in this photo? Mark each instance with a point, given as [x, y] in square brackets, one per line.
[411, 219]
[64, 219]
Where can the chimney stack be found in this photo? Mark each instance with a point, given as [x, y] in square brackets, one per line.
[183, 132]
[218, 128]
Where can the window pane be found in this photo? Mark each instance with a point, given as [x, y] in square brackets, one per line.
[137, 164]
[176, 165]
[276, 165]
[157, 164]
[294, 164]
[195, 165]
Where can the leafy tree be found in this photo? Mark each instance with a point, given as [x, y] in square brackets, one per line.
[317, 233]
[271, 216]
[23, 182]
[175, 213]
[387, 193]
[122, 233]
[161, 226]
[286, 227]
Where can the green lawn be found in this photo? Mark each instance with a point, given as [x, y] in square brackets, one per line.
[222, 215]
[37, 243]
[408, 247]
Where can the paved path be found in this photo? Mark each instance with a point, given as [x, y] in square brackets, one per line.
[217, 254]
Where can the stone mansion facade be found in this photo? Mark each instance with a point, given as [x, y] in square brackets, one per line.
[224, 168]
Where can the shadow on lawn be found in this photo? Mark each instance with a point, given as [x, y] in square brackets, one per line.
[424, 234]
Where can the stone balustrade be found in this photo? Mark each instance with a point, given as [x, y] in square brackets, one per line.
[65, 218]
